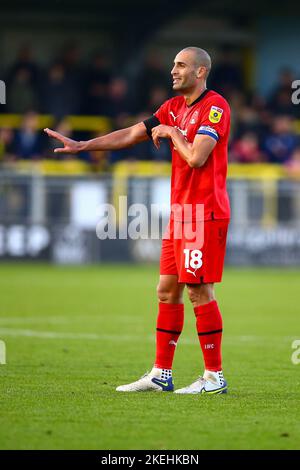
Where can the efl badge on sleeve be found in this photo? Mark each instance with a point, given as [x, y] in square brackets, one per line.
[215, 114]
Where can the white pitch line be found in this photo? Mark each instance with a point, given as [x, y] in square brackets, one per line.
[229, 339]
[59, 319]
[34, 320]
[58, 335]
[86, 336]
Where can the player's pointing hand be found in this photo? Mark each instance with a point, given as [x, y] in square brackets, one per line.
[70, 146]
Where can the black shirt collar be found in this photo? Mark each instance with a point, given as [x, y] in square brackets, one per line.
[199, 98]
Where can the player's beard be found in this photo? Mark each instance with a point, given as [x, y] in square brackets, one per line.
[184, 85]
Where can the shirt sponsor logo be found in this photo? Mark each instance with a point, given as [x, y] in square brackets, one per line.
[215, 114]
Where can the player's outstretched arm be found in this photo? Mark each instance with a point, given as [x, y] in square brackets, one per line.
[116, 140]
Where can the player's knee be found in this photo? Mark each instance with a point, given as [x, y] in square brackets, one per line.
[163, 294]
[200, 294]
[168, 295]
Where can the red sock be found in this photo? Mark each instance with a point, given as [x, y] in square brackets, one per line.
[168, 328]
[209, 327]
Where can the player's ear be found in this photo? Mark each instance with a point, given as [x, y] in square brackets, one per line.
[201, 72]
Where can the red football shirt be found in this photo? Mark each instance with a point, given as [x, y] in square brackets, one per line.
[210, 115]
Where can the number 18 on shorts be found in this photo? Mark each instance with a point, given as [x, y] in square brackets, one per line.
[197, 264]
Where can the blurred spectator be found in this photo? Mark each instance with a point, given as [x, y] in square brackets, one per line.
[246, 149]
[226, 75]
[280, 101]
[293, 165]
[157, 96]
[21, 93]
[28, 140]
[282, 141]
[248, 116]
[247, 120]
[98, 75]
[58, 93]
[71, 60]
[22, 82]
[152, 75]
[282, 104]
[119, 102]
[25, 61]
[6, 144]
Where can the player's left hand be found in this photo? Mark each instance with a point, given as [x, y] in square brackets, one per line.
[161, 131]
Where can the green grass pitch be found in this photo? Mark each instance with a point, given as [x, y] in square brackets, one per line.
[74, 333]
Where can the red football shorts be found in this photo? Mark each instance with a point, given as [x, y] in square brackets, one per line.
[194, 251]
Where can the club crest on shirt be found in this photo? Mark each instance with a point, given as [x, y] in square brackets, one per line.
[194, 117]
[215, 114]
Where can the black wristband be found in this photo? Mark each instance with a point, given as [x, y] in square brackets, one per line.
[150, 123]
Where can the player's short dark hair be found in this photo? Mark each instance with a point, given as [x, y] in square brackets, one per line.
[202, 57]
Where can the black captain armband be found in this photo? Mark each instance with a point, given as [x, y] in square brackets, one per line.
[150, 123]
